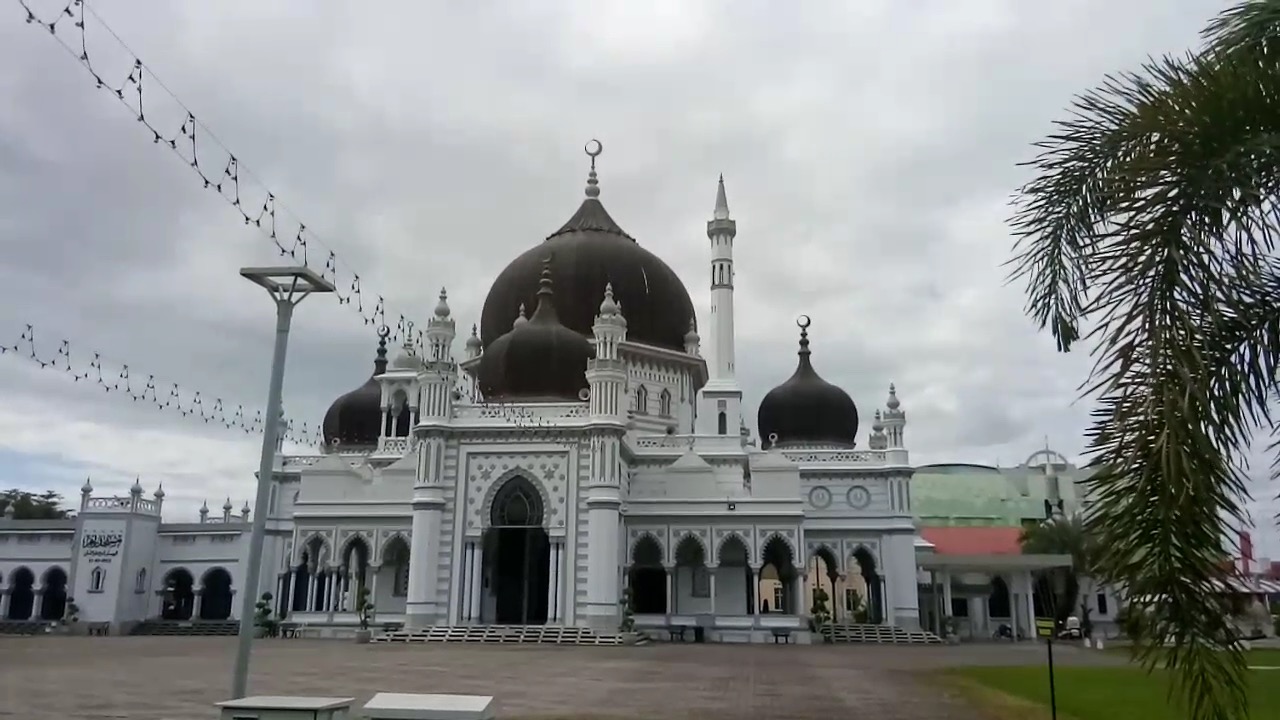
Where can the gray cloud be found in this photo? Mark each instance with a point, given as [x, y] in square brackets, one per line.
[869, 151]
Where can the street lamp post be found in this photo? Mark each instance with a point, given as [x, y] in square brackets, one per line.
[287, 287]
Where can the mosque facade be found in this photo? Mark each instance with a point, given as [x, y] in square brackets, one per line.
[582, 454]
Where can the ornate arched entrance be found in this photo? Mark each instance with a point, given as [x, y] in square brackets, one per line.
[517, 552]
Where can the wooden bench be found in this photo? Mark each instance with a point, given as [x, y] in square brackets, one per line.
[783, 634]
[677, 632]
[99, 628]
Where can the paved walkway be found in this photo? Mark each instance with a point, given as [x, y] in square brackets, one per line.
[155, 678]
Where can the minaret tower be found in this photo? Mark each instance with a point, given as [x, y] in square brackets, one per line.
[436, 381]
[720, 408]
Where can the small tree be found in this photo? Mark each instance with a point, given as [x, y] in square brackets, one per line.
[262, 616]
[857, 607]
[628, 623]
[364, 608]
[819, 612]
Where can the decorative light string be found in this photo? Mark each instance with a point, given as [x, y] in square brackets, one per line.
[219, 169]
[124, 381]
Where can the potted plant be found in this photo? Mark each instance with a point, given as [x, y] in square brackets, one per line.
[951, 630]
[264, 624]
[71, 618]
[627, 625]
[364, 611]
[820, 615]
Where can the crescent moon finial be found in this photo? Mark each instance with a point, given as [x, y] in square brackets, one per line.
[593, 148]
[803, 322]
[384, 332]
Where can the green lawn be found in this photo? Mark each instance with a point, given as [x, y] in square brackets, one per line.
[1101, 693]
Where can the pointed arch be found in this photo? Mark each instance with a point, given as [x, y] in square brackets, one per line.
[486, 508]
[664, 403]
[350, 544]
[682, 539]
[729, 536]
[21, 593]
[53, 596]
[640, 551]
[776, 542]
[642, 400]
[317, 546]
[396, 536]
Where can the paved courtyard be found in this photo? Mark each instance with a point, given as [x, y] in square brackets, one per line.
[155, 678]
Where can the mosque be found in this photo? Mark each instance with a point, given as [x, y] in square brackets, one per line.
[585, 457]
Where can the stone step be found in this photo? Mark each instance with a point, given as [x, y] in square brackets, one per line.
[879, 634]
[187, 628]
[510, 634]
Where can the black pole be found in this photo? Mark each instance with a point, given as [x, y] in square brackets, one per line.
[1053, 692]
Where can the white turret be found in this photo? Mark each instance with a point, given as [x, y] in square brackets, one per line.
[895, 424]
[721, 397]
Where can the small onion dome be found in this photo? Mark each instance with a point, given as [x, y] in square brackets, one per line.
[137, 487]
[806, 409]
[539, 359]
[356, 418]
[473, 342]
[691, 337]
[87, 487]
[520, 319]
[226, 506]
[405, 360]
[442, 307]
[159, 494]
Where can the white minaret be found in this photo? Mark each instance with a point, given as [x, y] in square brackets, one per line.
[436, 380]
[720, 406]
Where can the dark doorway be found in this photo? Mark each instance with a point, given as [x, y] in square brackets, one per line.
[22, 596]
[179, 595]
[215, 595]
[648, 578]
[517, 553]
[53, 602]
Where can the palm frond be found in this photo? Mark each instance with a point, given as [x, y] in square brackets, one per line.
[1153, 218]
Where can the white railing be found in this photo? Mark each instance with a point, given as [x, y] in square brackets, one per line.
[837, 457]
[700, 443]
[394, 445]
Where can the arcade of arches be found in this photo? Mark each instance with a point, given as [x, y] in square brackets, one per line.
[731, 586]
[25, 599]
[182, 599]
[325, 583]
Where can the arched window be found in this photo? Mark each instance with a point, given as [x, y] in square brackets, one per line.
[140, 583]
[722, 423]
[97, 580]
[664, 403]
[642, 400]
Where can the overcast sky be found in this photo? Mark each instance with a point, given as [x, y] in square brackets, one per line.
[869, 149]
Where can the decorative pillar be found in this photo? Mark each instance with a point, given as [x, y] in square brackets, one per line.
[422, 608]
[313, 583]
[712, 574]
[753, 592]
[799, 582]
[374, 569]
[4, 604]
[671, 598]
[553, 582]
[37, 601]
[463, 583]
[199, 600]
[476, 574]
[1031, 606]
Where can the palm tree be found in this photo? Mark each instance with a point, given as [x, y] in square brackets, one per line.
[1064, 536]
[1149, 232]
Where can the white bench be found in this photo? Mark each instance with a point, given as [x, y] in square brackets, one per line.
[406, 706]
[285, 707]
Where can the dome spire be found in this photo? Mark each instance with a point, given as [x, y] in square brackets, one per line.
[545, 313]
[380, 360]
[803, 322]
[593, 150]
[722, 202]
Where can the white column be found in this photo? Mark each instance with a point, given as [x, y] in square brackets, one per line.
[477, 580]
[671, 598]
[4, 604]
[195, 606]
[1031, 606]
[712, 571]
[466, 571]
[553, 583]
[312, 582]
[373, 585]
[422, 607]
[602, 557]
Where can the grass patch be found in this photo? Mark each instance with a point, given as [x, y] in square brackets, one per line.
[1098, 693]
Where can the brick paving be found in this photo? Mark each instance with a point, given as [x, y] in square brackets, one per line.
[178, 678]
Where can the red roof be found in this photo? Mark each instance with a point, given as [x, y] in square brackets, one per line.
[974, 540]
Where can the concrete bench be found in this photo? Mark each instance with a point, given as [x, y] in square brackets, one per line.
[406, 706]
[286, 707]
